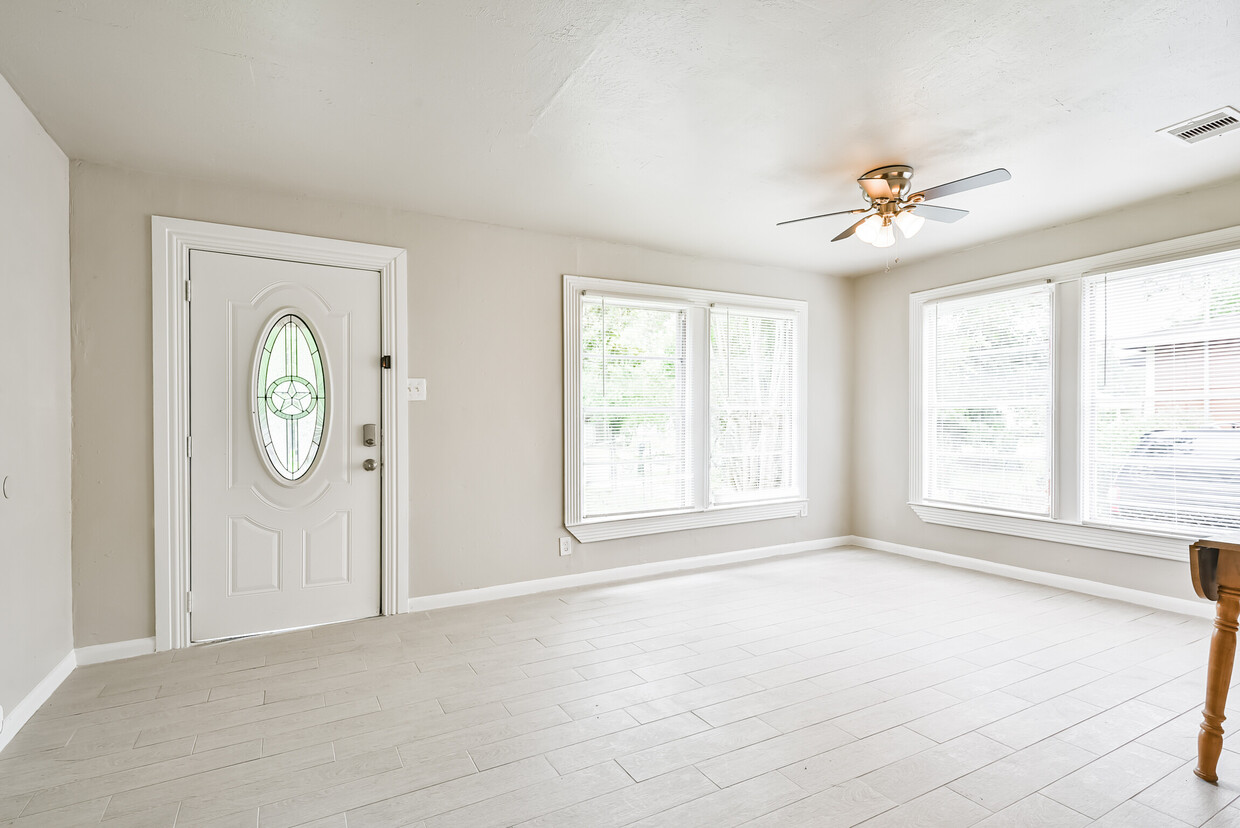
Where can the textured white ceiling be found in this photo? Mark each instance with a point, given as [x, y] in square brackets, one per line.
[690, 126]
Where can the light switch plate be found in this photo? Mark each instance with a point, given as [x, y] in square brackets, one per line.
[417, 389]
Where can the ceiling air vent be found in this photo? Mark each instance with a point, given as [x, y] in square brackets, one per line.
[1205, 126]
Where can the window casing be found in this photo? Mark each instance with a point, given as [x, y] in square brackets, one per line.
[1142, 357]
[683, 408]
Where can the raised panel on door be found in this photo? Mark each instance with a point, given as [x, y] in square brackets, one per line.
[284, 374]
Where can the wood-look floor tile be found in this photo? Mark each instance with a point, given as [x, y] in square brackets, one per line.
[468, 738]
[732, 806]
[250, 795]
[37, 771]
[1035, 723]
[219, 779]
[1229, 817]
[755, 704]
[12, 804]
[1133, 814]
[1109, 780]
[114, 784]
[922, 772]
[88, 812]
[821, 708]
[624, 742]
[940, 808]
[774, 753]
[445, 797]
[699, 747]
[631, 803]
[530, 801]
[692, 700]
[779, 692]
[1010, 779]
[374, 798]
[1181, 794]
[543, 741]
[1035, 811]
[834, 767]
[836, 807]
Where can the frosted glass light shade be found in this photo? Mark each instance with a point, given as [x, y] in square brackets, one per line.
[867, 230]
[909, 223]
[886, 235]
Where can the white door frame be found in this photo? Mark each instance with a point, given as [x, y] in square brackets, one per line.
[171, 242]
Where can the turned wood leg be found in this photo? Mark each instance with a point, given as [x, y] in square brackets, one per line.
[1218, 679]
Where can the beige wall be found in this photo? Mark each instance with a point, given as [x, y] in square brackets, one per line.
[880, 404]
[486, 448]
[35, 624]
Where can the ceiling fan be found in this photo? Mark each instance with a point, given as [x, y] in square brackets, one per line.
[887, 191]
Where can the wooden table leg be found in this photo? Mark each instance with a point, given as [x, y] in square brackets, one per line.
[1218, 680]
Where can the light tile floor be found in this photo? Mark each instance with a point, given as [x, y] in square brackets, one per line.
[833, 689]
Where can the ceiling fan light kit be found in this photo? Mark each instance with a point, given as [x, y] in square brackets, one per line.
[909, 222]
[891, 205]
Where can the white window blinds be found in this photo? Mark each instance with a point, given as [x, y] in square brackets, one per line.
[986, 400]
[634, 374]
[753, 405]
[1160, 361]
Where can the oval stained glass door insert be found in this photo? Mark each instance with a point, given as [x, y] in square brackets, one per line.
[290, 397]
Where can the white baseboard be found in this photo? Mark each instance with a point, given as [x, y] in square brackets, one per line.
[99, 653]
[19, 715]
[1184, 606]
[619, 573]
[16, 718]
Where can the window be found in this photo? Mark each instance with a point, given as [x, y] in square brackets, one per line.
[290, 403]
[1117, 426]
[753, 406]
[636, 453]
[683, 408]
[987, 410]
[1161, 396]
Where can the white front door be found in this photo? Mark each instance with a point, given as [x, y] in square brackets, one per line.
[284, 490]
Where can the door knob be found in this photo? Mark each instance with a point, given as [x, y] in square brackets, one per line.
[369, 465]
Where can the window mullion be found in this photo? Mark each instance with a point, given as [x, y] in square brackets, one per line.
[698, 417]
[1066, 344]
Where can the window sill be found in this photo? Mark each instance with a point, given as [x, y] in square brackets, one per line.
[723, 515]
[1170, 547]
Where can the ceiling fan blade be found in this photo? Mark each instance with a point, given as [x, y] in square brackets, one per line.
[935, 213]
[849, 231]
[960, 185]
[822, 215]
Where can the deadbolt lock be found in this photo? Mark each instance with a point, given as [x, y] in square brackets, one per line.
[370, 434]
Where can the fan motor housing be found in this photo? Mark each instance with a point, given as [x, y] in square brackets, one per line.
[890, 182]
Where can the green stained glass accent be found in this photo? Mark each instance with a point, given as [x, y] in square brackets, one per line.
[290, 395]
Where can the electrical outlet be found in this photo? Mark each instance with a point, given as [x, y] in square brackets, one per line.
[566, 546]
[417, 389]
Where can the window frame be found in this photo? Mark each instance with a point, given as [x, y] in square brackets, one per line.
[1065, 523]
[1052, 425]
[698, 304]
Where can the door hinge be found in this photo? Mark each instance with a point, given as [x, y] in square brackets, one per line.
[187, 290]
[189, 446]
[385, 361]
[189, 602]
